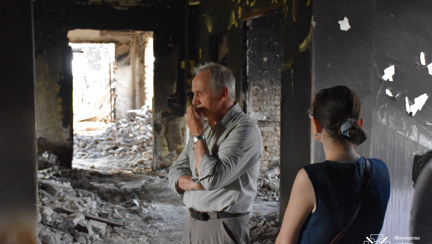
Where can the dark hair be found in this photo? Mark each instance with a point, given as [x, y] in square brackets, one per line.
[335, 106]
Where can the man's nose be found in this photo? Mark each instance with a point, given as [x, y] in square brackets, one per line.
[195, 100]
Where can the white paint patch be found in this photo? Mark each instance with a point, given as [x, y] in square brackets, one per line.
[407, 105]
[422, 58]
[388, 73]
[344, 24]
[430, 68]
[419, 102]
[389, 93]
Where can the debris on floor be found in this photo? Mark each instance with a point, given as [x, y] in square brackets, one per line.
[83, 206]
[112, 194]
[129, 138]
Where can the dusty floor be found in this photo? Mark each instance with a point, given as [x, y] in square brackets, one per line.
[132, 207]
[113, 196]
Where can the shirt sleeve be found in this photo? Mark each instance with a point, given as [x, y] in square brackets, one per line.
[239, 152]
[179, 168]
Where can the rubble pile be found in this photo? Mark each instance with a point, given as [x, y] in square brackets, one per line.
[112, 195]
[81, 206]
[128, 138]
[264, 228]
[84, 207]
[268, 183]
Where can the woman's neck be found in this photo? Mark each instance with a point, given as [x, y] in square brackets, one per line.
[338, 152]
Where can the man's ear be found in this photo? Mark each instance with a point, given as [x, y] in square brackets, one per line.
[224, 93]
[361, 122]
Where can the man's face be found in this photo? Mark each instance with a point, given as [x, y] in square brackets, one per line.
[204, 98]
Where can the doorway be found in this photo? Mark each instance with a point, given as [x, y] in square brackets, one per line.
[93, 72]
[112, 98]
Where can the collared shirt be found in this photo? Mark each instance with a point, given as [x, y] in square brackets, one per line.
[229, 172]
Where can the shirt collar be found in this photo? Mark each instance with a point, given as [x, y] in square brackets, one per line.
[232, 112]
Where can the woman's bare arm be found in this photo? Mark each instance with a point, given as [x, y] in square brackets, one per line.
[301, 203]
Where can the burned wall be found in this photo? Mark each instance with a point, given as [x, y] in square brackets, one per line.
[225, 22]
[53, 19]
[265, 57]
[381, 49]
[221, 35]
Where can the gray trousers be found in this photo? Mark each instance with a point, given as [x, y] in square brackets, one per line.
[217, 231]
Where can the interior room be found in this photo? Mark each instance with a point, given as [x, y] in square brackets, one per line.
[95, 95]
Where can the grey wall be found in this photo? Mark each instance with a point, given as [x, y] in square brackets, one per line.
[383, 33]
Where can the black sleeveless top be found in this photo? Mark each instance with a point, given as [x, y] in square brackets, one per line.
[337, 190]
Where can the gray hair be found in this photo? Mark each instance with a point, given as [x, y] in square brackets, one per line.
[220, 76]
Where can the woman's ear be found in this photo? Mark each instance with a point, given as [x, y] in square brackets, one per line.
[361, 122]
[317, 126]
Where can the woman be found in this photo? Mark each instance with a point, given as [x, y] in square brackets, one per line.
[324, 195]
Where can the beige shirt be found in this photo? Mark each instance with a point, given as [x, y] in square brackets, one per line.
[229, 172]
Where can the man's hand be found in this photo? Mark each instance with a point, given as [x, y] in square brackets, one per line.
[195, 120]
[186, 183]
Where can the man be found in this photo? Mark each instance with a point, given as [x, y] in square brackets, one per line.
[217, 171]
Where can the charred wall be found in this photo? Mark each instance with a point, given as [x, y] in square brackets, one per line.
[225, 22]
[383, 34]
[265, 59]
[221, 35]
[53, 19]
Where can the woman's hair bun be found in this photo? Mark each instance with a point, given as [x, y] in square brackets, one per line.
[337, 109]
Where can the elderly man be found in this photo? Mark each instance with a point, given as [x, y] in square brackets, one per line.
[217, 171]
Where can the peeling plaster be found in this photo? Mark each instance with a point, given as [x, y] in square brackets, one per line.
[233, 20]
[344, 24]
[389, 93]
[306, 42]
[419, 102]
[430, 68]
[388, 73]
[209, 23]
[423, 62]
[422, 58]
[286, 11]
